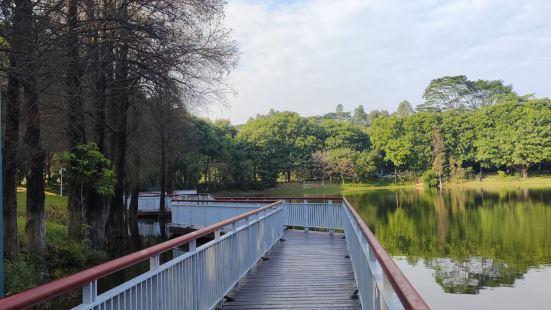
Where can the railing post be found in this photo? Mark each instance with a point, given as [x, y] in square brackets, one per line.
[90, 292]
[306, 215]
[331, 217]
[192, 245]
[154, 262]
[217, 234]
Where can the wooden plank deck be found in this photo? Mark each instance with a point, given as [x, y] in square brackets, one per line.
[307, 271]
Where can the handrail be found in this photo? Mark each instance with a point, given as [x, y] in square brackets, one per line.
[225, 200]
[269, 198]
[408, 295]
[79, 279]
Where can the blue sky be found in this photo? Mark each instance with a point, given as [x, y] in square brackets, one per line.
[308, 56]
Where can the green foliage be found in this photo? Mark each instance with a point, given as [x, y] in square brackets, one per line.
[343, 135]
[389, 136]
[404, 109]
[430, 179]
[514, 134]
[484, 124]
[90, 168]
[459, 93]
[23, 273]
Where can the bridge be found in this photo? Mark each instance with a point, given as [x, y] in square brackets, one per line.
[264, 253]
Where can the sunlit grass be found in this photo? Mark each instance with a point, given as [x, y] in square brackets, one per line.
[509, 182]
[314, 189]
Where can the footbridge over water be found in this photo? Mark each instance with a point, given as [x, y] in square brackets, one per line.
[265, 253]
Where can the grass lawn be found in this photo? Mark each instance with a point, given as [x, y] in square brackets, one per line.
[56, 207]
[315, 189]
[63, 256]
[494, 182]
[491, 182]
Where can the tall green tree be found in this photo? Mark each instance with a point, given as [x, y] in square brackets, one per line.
[404, 109]
[439, 156]
[359, 117]
[389, 136]
[514, 134]
[459, 93]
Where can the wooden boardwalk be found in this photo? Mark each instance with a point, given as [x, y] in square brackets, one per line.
[307, 271]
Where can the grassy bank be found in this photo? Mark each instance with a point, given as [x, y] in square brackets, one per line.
[508, 182]
[491, 182]
[316, 189]
[63, 256]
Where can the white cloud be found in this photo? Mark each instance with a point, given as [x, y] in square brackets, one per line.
[308, 56]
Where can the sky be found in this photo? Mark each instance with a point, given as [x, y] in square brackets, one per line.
[307, 56]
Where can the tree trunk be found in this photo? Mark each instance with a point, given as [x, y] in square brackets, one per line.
[440, 185]
[75, 115]
[162, 198]
[395, 174]
[163, 176]
[10, 141]
[116, 226]
[288, 176]
[35, 232]
[524, 171]
[480, 174]
[94, 217]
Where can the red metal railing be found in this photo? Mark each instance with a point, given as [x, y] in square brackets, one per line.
[408, 295]
[79, 279]
[227, 200]
[272, 198]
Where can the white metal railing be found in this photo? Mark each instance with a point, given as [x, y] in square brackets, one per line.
[381, 284]
[373, 289]
[200, 278]
[196, 216]
[150, 203]
[189, 214]
[314, 215]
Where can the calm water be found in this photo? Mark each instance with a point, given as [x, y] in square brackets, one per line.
[467, 249]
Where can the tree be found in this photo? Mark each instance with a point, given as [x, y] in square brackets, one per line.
[439, 156]
[367, 164]
[359, 117]
[342, 163]
[372, 115]
[514, 134]
[389, 136]
[459, 93]
[445, 93]
[322, 162]
[344, 135]
[405, 109]
[339, 111]
[90, 171]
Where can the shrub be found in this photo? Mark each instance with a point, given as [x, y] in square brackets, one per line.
[430, 179]
[23, 273]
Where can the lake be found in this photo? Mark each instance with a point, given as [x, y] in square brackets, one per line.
[467, 249]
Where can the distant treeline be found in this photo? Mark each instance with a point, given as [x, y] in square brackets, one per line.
[462, 129]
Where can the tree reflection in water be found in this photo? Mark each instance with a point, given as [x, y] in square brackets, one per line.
[471, 239]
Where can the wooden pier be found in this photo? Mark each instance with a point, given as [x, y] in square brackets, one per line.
[309, 270]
